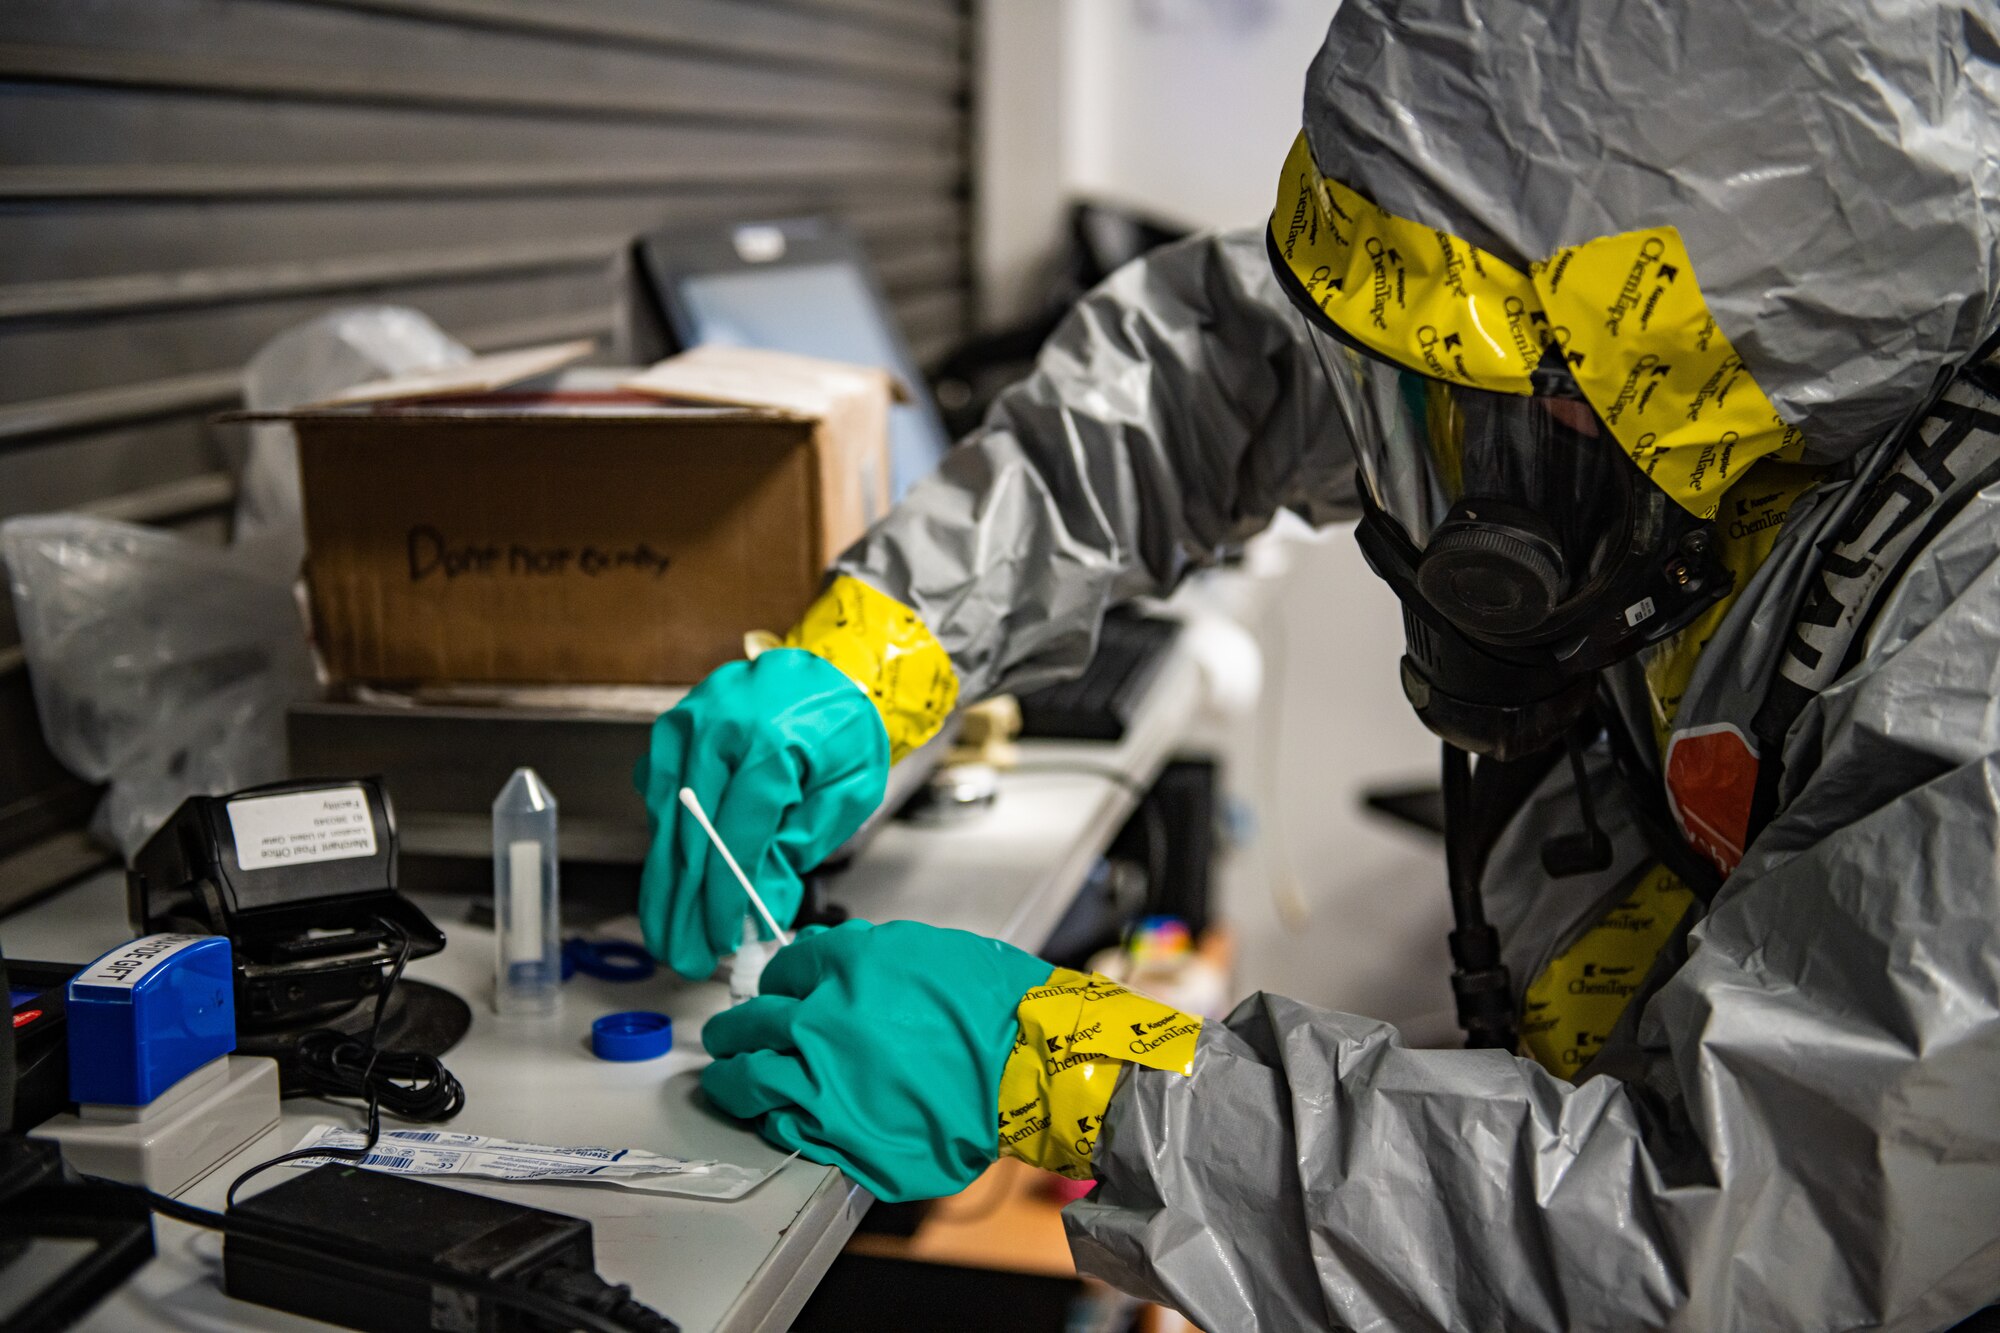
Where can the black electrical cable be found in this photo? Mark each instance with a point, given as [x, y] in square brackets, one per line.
[541, 1305]
[1468, 907]
[1479, 980]
[334, 1064]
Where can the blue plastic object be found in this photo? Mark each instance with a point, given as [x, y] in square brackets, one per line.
[146, 1015]
[607, 960]
[634, 1035]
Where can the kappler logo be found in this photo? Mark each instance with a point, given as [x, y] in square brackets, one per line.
[1603, 980]
[1302, 220]
[1586, 1045]
[1065, 1053]
[1646, 375]
[1027, 1129]
[1454, 267]
[1380, 257]
[1434, 347]
[1759, 514]
[1154, 1039]
[1332, 205]
[1554, 270]
[1651, 252]
[1527, 327]
[1715, 389]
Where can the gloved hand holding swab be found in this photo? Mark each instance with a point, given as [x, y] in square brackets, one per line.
[748, 964]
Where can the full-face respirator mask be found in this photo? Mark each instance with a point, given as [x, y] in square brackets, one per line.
[1528, 550]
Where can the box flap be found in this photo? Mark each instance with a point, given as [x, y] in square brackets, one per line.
[482, 374]
[803, 386]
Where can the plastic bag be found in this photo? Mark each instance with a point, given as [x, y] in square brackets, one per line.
[444, 1152]
[160, 665]
[163, 666]
[304, 364]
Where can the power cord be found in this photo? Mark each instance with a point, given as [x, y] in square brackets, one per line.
[567, 1299]
[413, 1087]
[336, 1065]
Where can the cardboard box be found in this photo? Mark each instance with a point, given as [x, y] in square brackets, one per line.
[614, 528]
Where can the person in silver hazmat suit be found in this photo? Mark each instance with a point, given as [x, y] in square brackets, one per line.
[1648, 342]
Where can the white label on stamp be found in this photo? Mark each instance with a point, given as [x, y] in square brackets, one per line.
[303, 826]
[125, 965]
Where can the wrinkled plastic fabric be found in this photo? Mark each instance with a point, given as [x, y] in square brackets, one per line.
[1797, 1132]
[1833, 166]
[788, 757]
[304, 364]
[1794, 1133]
[877, 1049]
[163, 666]
[160, 665]
[1171, 416]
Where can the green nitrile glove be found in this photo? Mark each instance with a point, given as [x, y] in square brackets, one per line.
[877, 1049]
[788, 757]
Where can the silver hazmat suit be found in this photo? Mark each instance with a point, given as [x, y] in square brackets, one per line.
[1800, 1129]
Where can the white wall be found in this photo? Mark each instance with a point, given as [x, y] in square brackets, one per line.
[1185, 108]
[1018, 128]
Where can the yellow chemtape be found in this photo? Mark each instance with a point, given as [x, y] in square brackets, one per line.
[1752, 516]
[1076, 1032]
[1580, 996]
[1647, 354]
[1625, 310]
[1421, 297]
[886, 649]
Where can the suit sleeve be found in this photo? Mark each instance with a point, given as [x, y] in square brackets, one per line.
[1809, 1138]
[1173, 413]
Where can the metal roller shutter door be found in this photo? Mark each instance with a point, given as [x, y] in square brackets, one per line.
[180, 179]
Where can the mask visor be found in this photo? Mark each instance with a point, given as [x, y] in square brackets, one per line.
[1516, 504]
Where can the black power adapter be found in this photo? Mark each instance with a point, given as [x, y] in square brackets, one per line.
[387, 1254]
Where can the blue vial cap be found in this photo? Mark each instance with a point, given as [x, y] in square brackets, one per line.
[636, 1035]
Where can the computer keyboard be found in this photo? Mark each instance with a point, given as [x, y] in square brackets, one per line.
[1100, 704]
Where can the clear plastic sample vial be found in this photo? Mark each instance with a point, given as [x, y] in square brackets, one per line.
[746, 965]
[527, 926]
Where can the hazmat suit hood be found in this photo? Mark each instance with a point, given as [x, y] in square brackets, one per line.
[1781, 1117]
[1833, 166]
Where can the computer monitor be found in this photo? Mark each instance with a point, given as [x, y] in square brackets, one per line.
[795, 285]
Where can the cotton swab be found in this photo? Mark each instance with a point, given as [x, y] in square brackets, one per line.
[693, 803]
